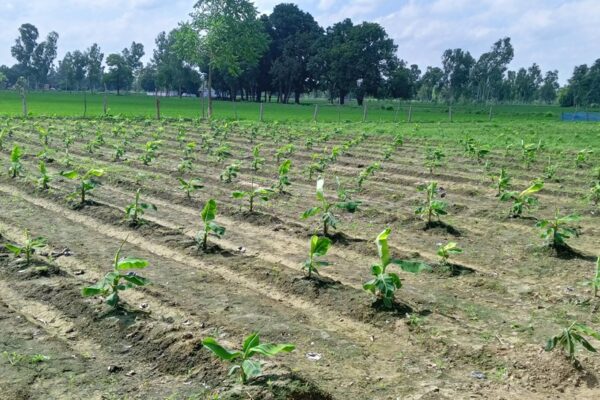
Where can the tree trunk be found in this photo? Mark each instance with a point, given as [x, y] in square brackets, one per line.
[297, 97]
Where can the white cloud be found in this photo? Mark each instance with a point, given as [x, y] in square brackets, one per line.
[557, 34]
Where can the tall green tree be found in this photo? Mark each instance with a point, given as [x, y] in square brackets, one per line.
[488, 71]
[294, 34]
[119, 75]
[94, 66]
[457, 65]
[549, 88]
[225, 33]
[35, 59]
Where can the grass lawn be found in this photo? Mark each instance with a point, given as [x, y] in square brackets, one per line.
[72, 105]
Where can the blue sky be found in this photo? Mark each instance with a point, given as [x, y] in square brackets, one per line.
[557, 34]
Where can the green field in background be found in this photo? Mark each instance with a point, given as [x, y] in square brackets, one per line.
[65, 104]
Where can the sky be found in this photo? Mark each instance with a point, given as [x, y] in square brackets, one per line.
[556, 34]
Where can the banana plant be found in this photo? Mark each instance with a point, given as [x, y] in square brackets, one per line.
[257, 160]
[284, 151]
[557, 230]
[135, 210]
[150, 151]
[208, 214]
[444, 251]
[28, 248]
[325, 208]
[222, 152]
[582, 157]
[594, 194]
[230, 172]
[318, 248]
[119, 150]
[595, 282]
[261, 193]
[189, 186]
[87, 183]
[185, 165]
[522, 200]
[570, 337]
[434, 158]
[384, 284]
[529, 152]
[244, 365]
[45, 177]
[502, 182]
[283, 179]
[16, 167]
[431, 207]
[118, 280]
[366, 173]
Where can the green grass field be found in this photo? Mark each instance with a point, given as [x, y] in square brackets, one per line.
[72, 105]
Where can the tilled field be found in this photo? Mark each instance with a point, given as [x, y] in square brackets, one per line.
[475, 330]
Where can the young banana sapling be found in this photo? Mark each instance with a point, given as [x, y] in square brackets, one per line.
[135, 210]
[118, 280]
[431, 207]
[244, 365]
[445, 251]
[189, 186]
[261, 193]
[384, 284]
[283, 179]
[15, 167]
[208, 215]
[318, 248]
[28, 248]
[572, 335]
[522, 200]
[87, 183]
[325, 208]
[557, 230]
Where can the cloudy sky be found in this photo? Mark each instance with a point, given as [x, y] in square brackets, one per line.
[557, 34]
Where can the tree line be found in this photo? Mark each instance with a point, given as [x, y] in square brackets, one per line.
[227, 48]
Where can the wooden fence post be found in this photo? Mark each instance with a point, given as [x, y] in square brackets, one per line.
[24, 102]
[104, 104]
[84, 104]
[316, 113]
[450, 113]
[490, 116]
[261, 111]
[364, 111]
[157, 107]
[410, 113]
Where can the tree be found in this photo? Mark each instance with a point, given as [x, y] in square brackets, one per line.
[549, 88]
[66, 72]
[35, 59]
[457, 66]
[488, 71]
[3, 79]
[401, 81]
[94, 66]
[170, 70]
[353, 58]
[119, 75]
[431, 84]
[294, 33]
[527, 83]
[24, 47]
[133, 55]
[224, 32]
[80, 64]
